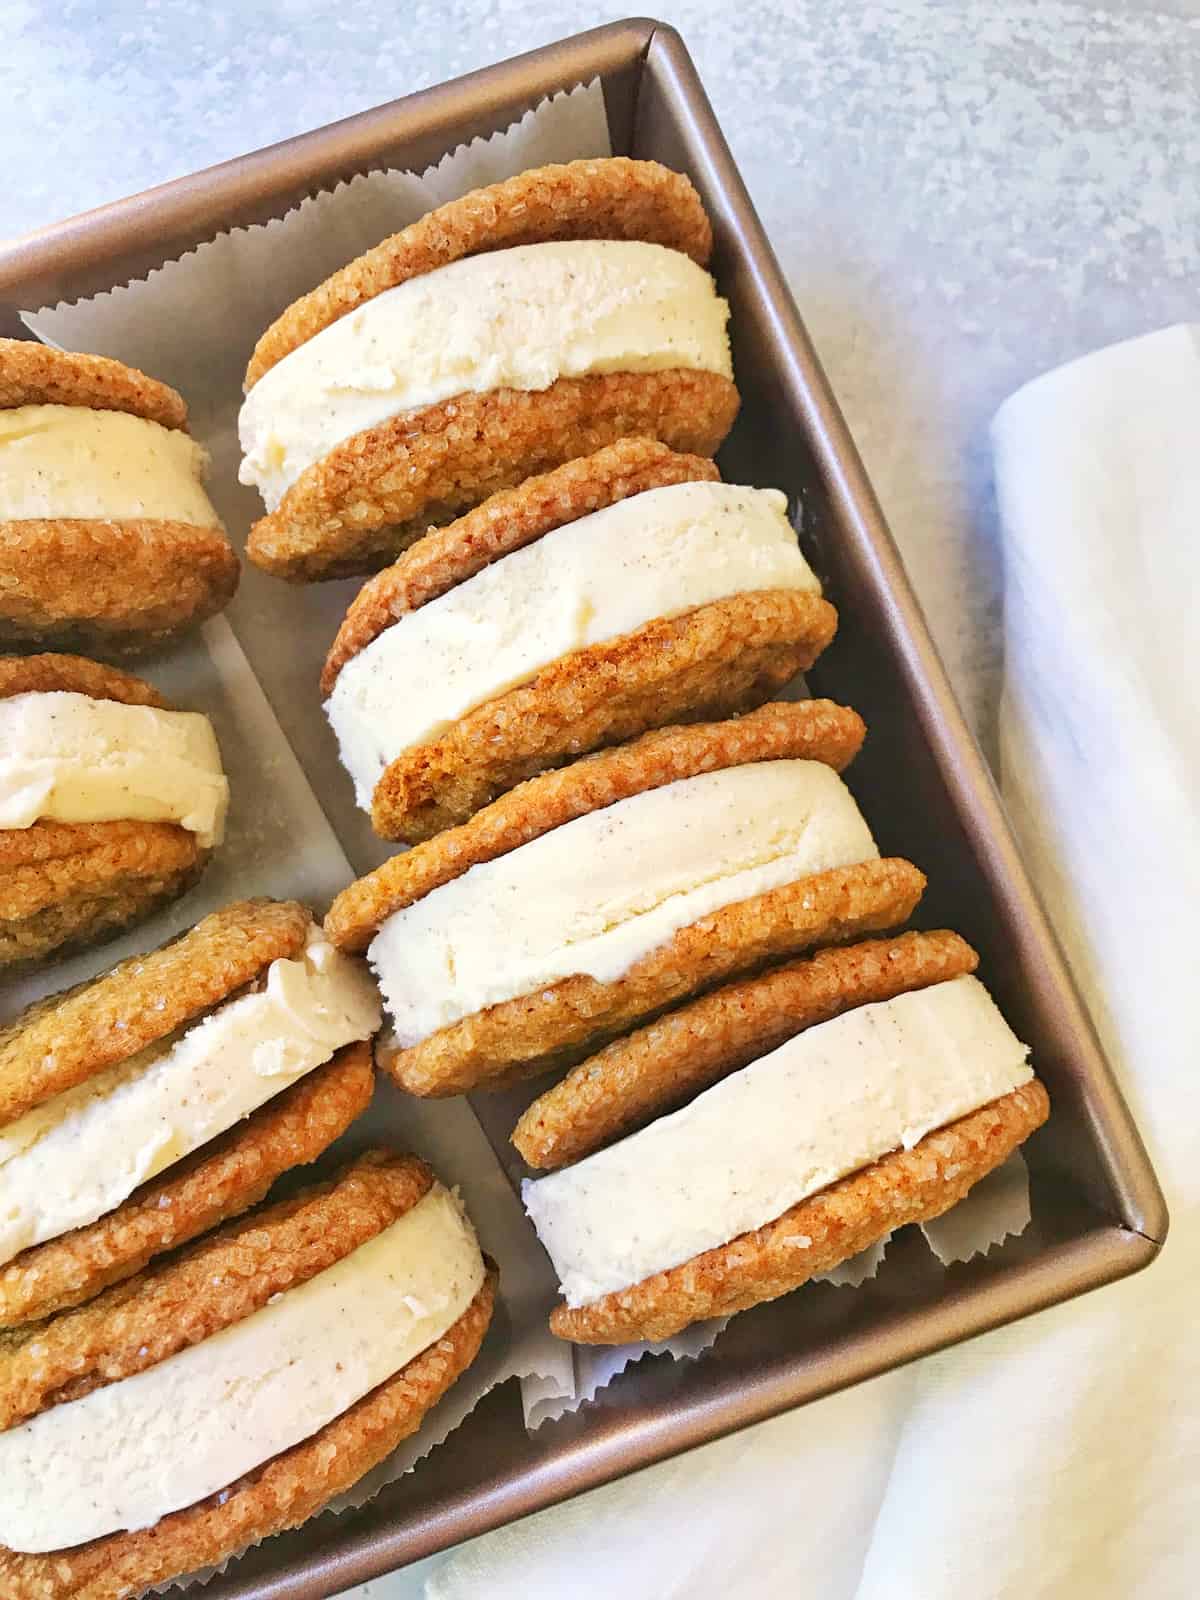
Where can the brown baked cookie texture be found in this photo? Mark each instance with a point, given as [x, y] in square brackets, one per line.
[807, 730]
[607, 198]
[68, 1038]
[568, 1020]
[217, 1182]
[59, 893]
[659, 1067]
[207, 1287]
[378, 491]
[56, 673]
[118, 588]
[712, 662]
[817, 1234]
[506, 521]
[64, 885]
[33, 374]
[281, 1494]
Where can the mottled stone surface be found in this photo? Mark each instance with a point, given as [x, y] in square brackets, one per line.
[961, 194]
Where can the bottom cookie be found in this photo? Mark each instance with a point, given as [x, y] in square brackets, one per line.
[66, 885]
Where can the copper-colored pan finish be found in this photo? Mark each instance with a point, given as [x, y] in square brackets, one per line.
[1098, 1212]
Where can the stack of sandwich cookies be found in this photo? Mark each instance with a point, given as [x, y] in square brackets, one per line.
[883, 1114]
[595, 896]
[503, 334]
[110, 802]
[290, 1351]
[613, 594]
[108, 541]
[144, 1107]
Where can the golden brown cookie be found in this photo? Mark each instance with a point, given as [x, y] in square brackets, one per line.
[208, 1287]
[114, 587]
[68, 1038]
[606, 198]
[215, 1183]
[715, 661]
[568, 1020]
[808, 730]
[378, 491]
[68, 884]
[660, 1066]
[57, 895]
[817, 1234]
[506, 521]
[32, 374]
[216, 1281]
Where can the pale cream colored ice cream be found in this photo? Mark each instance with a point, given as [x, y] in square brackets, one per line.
[826, 1103]
[654, 555]
[68, 758]
[70, 461]
[128, 1454]
[79, 1155]
[603, 890]
[516, 319]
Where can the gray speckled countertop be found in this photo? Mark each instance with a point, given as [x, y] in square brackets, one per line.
[962, 195]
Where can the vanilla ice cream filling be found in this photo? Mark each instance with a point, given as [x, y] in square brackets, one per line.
[655, 554]
[600, 892]
[71, 461]
[65, 757]
[509, 319]
[79, 1155]
[130, 1453]
[828, 1102]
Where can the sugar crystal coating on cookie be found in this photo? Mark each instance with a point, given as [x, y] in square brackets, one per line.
[113, 802]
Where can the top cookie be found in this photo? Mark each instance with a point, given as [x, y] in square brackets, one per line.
[32, 374]
[613, 198]
[51, 673]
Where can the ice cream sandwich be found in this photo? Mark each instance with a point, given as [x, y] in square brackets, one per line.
[897, 1086]
[502, 334]
[108, 541]
[232, 1390]
[110, 803]
[597, 895]
[614, 594]
[141, 1108]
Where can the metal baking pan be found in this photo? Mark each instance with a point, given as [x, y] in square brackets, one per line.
[1098, 1213]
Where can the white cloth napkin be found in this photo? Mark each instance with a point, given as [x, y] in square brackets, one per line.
[1061, 1457]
